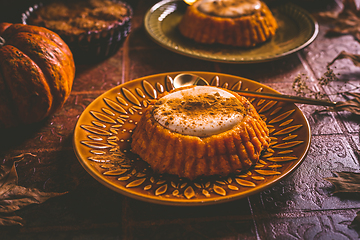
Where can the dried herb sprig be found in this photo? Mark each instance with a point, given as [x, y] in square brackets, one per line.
[329, 76]
[352, 104]
[301, 88]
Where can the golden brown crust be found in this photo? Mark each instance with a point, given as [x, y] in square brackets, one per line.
[192, 156]
[78, 17]
[244, 31]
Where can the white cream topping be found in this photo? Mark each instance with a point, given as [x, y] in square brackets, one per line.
[199, 111]
[229, 8]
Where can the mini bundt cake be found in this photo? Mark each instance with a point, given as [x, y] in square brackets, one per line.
[200, 131]
[242, 23]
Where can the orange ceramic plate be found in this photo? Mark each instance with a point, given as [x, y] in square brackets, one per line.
[103, 133]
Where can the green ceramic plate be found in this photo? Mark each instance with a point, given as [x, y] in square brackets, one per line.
[297, 29]
[102, 139]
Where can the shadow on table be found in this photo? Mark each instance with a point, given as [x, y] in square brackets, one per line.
[15, 136]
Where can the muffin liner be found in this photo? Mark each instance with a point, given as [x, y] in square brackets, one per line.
[94, 45]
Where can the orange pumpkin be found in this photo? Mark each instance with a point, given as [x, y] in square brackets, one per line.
[36, 73]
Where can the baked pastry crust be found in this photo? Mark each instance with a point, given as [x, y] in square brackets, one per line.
[93, 29]
[78, 17]
[188, 156]
[242, 31]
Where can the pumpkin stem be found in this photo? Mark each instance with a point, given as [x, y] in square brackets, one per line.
[2, 41]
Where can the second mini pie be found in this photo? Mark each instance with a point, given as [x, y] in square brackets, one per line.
[242, 23]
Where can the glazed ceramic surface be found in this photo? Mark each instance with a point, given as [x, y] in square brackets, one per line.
[297, 29]
[103, 132]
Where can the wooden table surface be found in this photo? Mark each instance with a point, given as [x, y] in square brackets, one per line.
[299, 207]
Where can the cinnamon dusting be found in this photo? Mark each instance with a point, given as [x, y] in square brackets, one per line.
[203, 104]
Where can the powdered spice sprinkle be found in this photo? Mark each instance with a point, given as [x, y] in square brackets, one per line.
[201, 105]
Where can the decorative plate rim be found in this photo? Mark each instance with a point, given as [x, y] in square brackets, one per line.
[154, 30]
[79, 148]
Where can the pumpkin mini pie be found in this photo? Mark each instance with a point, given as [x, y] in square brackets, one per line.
[200, 131]
[93, 29]
[241, 23]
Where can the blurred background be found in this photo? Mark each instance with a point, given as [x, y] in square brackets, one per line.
[10, 11]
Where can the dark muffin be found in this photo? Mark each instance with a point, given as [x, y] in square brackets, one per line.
[93, 29]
